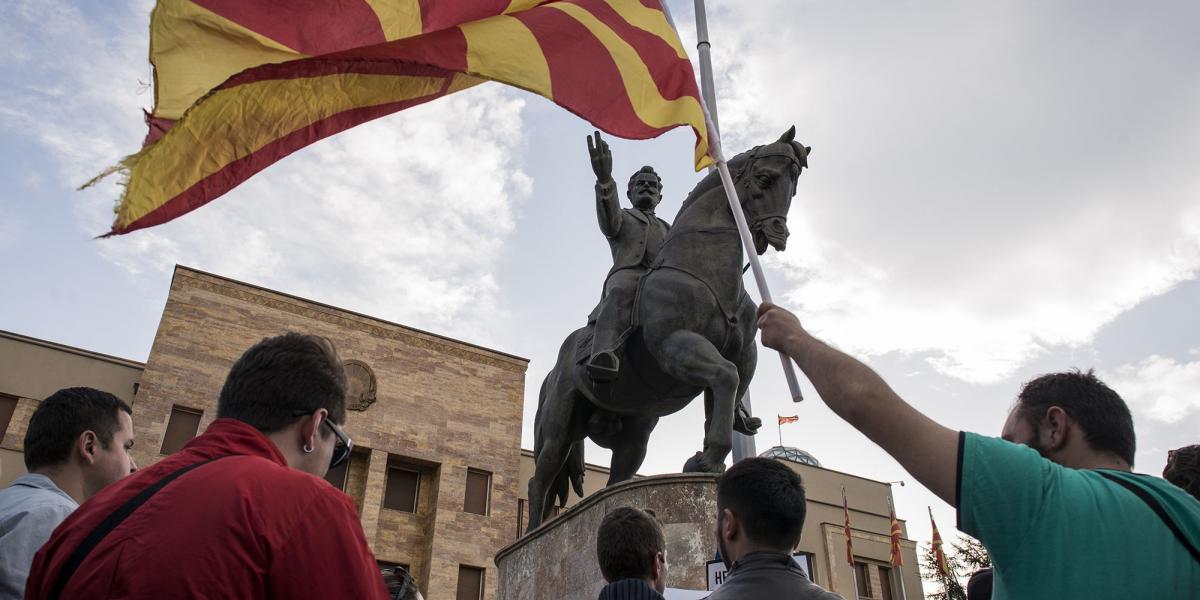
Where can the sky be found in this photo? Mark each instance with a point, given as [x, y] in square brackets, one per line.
[995, 191]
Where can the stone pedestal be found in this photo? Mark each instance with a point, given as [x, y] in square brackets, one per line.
[558, 559]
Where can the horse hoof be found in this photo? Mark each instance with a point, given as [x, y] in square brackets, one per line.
[698, 464]
[747, 425]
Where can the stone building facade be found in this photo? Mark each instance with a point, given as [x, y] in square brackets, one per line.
[435, 417]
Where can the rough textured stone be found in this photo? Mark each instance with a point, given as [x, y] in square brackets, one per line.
[558, 560]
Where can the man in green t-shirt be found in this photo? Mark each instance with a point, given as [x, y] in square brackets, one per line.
[1054, 501]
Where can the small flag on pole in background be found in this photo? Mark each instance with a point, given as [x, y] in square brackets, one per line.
[849, 545]
[938, 555]
[897, 560]
[785, 420]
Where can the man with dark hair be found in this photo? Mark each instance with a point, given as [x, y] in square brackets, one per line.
[1053, 499]
[629, 548]
[1183, 469]
[77, 443]
[241, 511]
[760, 512]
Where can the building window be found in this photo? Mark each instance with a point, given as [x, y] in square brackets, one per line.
[181, 428]
[521, 519]
[8, 405]
[862, 578]
[885, 584]
[479, 486]
[403, 484]
[470, 583]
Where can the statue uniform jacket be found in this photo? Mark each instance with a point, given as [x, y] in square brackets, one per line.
[639, 237]
[243, 526]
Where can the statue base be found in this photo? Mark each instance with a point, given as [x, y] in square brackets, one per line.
[558, 559]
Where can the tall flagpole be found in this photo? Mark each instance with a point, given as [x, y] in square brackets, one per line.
[849, 556]
[900, 567]
[743, 445]
[710, 115]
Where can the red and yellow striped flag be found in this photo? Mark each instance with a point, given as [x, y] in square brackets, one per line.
[939, 556]
[240, 84]
[849, 544]
[897, 560]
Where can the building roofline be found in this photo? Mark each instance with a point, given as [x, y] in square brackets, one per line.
[439, 336]
[125, 362]
[823, 468]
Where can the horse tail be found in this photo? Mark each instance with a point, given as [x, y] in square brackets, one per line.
[575, 467]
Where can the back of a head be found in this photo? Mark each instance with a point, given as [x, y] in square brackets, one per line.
[626, 544]
[1103, 415]
[281, 377]
[62, 417]
[1183, 469]
[979, 586]
[768, 500]
[400, 584]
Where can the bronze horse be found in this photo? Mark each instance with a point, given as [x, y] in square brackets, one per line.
[693, 332]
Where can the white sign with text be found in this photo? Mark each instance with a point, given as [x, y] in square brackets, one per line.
[717, 571]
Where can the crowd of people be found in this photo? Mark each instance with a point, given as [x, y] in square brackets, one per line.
[242, 510]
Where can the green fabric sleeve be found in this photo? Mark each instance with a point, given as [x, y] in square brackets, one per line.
[1003, 490]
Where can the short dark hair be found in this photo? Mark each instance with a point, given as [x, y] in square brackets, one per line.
[627, 543]
[1103, 415]
[1183, 469]
[63, 416]
[282, 376]
[767, 498]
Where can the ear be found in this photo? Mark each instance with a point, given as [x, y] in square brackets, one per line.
[788, 135]
[1057, 425]
[87, 444]
[729, 525]
[310, 426]
[807, 150]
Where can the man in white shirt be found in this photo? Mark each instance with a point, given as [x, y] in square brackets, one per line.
[77, 443]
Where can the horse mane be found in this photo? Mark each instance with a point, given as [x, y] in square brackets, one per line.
[712, 180]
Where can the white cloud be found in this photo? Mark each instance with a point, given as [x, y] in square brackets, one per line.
[1054, 187]
[1160, 387]
[402, 218]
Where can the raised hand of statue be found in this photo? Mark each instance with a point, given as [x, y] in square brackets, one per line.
[601, 158]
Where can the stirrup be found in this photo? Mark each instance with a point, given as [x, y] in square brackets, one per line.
[603, 367]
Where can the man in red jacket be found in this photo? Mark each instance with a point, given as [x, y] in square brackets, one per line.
[241, 511]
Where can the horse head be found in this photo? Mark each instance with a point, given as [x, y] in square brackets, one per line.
[766, 180]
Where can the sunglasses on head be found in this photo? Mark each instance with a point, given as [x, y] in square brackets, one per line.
[343, 445]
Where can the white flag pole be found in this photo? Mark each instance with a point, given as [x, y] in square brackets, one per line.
[735, 205]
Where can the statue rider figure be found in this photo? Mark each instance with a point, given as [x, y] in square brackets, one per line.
[635, 235]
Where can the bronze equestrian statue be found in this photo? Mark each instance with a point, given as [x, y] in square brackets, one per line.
[690, 325]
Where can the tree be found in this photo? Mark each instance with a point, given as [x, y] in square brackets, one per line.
[966, 556]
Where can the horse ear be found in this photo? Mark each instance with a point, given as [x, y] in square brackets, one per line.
[788, 135]
[807, 150]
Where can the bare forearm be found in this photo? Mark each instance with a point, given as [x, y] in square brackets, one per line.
[860, 396]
